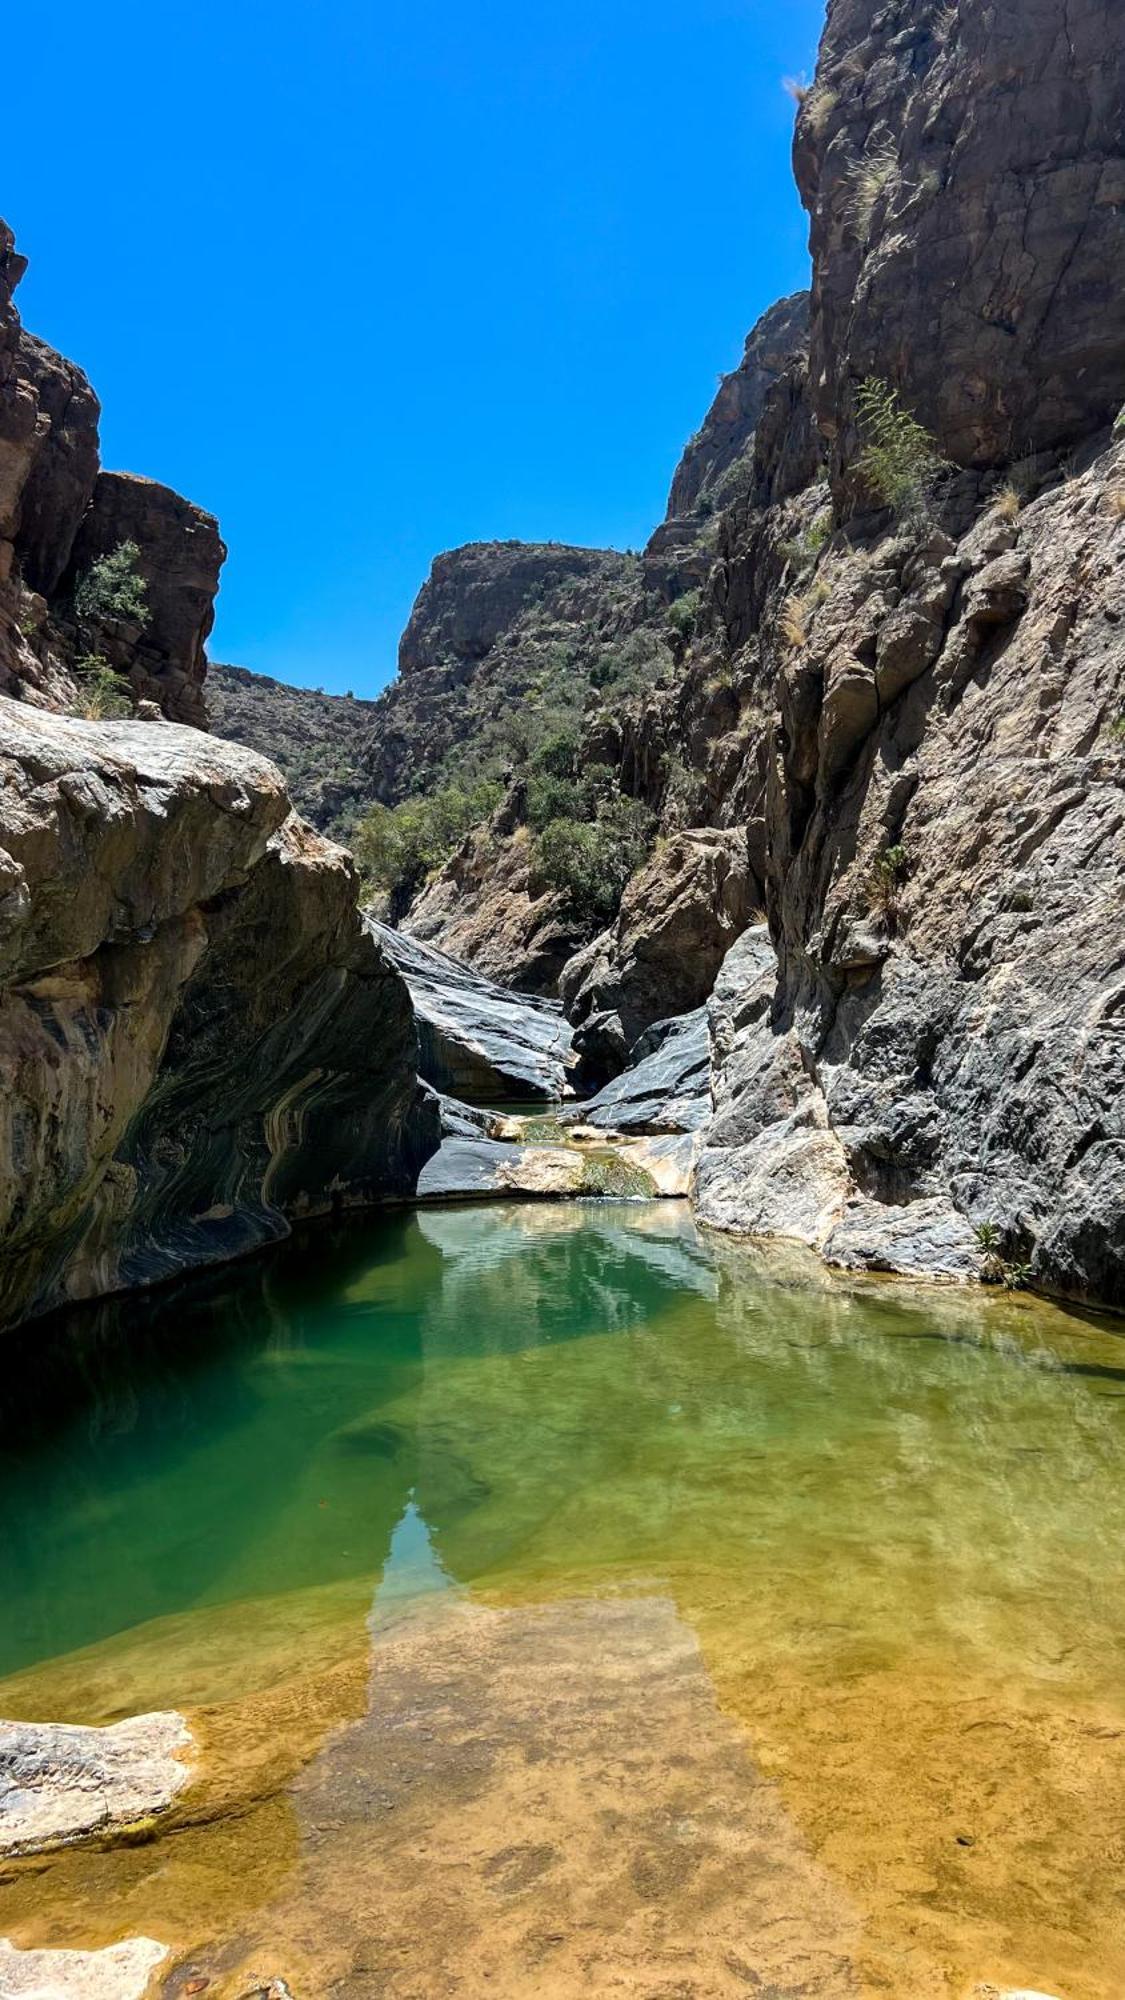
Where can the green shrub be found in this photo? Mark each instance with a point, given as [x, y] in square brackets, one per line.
[588, 861]
[900, 461]
[398, 846]
[888, 873]
[103, 693]
[683, 614]
[112, 589]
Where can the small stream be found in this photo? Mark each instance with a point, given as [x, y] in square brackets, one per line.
[567, 1602]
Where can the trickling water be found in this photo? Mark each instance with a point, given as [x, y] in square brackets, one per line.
[567, 1602]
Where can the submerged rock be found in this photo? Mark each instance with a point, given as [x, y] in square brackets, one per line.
[60, 1783]
[477, 1039]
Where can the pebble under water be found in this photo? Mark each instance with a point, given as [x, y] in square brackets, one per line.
[566, 1602]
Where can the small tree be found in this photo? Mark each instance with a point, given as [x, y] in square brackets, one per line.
[900, 461]
[103, 693]
[112, 588]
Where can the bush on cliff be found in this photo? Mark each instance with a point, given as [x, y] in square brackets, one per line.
[398, 846]
[112, 589]
[900, 461]
[588, 861]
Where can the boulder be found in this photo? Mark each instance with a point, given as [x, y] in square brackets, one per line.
[477, 1040]
[200, 1038]
[116, 1972]
[667, 1090]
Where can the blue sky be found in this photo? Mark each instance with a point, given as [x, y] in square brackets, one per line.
[368, 281]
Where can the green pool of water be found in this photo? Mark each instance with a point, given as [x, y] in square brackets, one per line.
[892, 1521]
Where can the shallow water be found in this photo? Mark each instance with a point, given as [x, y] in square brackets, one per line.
[568, 1602]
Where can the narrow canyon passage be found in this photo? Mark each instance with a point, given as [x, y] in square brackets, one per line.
[564, 1601]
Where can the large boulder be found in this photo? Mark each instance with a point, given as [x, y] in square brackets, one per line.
[200, 1038]
[477, 1040]
[678, 918]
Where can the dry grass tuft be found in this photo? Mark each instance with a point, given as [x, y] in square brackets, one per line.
[793, 621]
[1008, 502]
[869, 179]
[1115, 503]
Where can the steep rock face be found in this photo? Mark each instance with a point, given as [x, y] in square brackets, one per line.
[946, 884]
[317, 740]
[485, 908]
[964, 171]
[728, 428]
[181, 554]
[476, 1039]
[201, 1038]
[63, 466]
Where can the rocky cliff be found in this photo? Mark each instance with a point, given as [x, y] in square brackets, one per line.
[200, 1037]
[317, 740]
[59, 514]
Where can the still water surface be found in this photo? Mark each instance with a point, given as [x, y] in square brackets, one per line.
[565, 1602]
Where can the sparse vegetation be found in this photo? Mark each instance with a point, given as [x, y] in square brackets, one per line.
[398, 846]
[103, 694]
[900, 461]
[869, 179]
[792, 621]
[819, 104]
[1115, 503]
[1119, 423]
[802, 550]
[1117, 728]
[112, 589]
[683, 614]
[1009, 500]
[612, 1175]
[996, 1267]
[888, 873]
[588, 861]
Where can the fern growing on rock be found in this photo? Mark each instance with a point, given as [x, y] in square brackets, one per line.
[900, 461]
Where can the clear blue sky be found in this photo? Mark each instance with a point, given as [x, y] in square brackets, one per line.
[371, 280]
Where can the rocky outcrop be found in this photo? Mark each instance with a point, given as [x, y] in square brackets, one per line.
[201, 1039]
[702, 478]
[667, 1087]
[317, 740]
[678, 918]
[116, 1972]
[963, 170]
[487, 910]
[181, 554]
[61, 1783]
[476, 1040]
[59, 513]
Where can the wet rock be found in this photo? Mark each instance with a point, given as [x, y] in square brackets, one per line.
[118, 1972]
[476, 1039]
[60, 1783]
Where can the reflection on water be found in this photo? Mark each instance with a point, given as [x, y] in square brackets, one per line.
[568, 1602]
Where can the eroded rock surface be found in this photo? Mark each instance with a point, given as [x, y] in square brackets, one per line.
[201, 1039]
[60, 1783]
[478, 1040]
[117, 1972]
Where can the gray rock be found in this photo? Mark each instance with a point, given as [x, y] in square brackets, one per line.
[476, 1039]
[668, 1090]
[60, 1783]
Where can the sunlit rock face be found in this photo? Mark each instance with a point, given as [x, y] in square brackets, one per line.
[200, 1037]
[963, 173]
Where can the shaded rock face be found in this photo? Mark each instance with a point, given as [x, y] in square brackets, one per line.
[201, 1040]
[479, 1041]
[181, 554]
[317, 740]
[64, 465]
[678, 918]
[728, 428]
[485, 909]
[964, 172]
